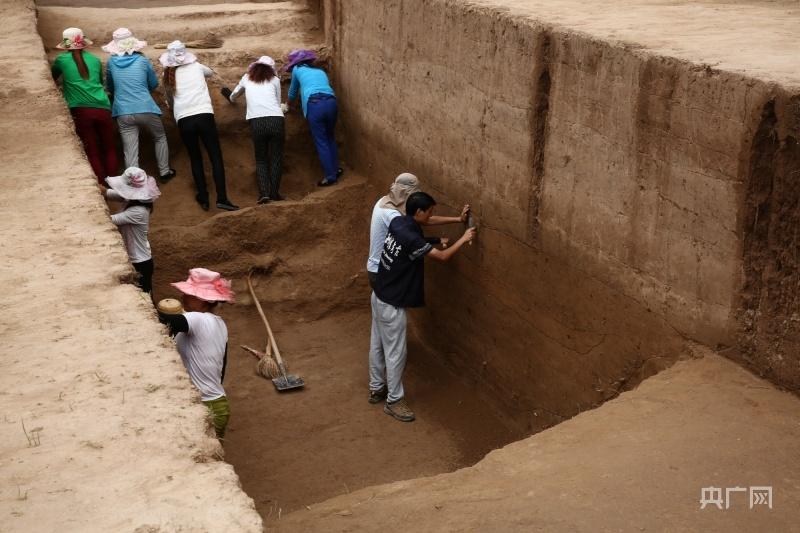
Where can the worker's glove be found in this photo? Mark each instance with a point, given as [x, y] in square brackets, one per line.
[285, 108]
[226, 92]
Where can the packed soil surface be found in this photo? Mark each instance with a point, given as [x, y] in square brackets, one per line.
[638, 463]
[293, 449]
[307, 254]
[101, 429]
[144, 4]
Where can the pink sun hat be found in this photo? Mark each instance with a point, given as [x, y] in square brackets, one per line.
[123, 42]
[207, 285]
[135, 184]
[73, 39]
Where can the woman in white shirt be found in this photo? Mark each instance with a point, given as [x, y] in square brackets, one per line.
[262, 89]
[187, 94]
[202, 339]
[138, 191]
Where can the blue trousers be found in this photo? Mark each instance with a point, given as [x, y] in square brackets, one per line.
[321, 114]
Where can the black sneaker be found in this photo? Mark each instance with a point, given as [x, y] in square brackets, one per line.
[399, 410]
[263, 200]
[168, 176]
[339, 172]
[202, 201]
[377, 396]
[226, 205]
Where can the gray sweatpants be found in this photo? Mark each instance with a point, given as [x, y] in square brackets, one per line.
[129, 131]
[387, 348]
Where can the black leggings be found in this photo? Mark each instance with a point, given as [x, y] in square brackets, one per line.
[145, 270]
[195, 129]
[268, 136]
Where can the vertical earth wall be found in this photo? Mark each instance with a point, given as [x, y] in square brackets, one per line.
[616, 191]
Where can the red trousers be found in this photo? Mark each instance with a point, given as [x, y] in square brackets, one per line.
[95, 127]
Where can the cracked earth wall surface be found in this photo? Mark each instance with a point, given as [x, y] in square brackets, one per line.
[119, 439]
[610, 185]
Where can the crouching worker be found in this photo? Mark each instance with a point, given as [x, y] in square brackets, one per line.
[202, 339]
[399, 285]
[138, 191]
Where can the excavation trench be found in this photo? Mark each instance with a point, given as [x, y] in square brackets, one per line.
[308, 255]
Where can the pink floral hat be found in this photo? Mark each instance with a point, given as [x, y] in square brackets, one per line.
[206, 285]
[123, 42]
[73, 39]
[135, 184]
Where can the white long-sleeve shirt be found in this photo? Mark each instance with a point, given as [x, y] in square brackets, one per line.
[263, 99]
[191, 92]
[133, 223]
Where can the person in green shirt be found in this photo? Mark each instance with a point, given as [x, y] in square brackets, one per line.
[82, 84]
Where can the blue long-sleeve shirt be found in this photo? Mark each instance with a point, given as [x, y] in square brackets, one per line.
[129, 80]
[308, 81]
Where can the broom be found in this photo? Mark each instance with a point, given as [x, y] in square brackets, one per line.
[209, 41]
[266, 365]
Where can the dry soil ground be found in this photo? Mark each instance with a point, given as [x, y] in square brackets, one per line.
[644, 455]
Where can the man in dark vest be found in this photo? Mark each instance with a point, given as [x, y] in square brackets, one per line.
[400, 284]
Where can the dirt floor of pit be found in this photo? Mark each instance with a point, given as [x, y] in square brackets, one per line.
[295, 449]
[292, 450]
[637, 463]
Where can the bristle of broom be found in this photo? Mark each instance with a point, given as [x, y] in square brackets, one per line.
[268, 368]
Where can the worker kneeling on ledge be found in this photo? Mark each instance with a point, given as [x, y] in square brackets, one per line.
[400, 284]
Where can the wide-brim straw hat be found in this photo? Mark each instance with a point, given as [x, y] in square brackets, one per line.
[123, 42]
[73, 39]
[135, 184]
[170, 306]
[176, 55]
[206, 285]
[296, 57]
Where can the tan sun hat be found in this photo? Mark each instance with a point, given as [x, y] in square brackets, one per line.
[404, 186]
[170, 306]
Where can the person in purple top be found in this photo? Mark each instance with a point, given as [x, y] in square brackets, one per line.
[319, 107]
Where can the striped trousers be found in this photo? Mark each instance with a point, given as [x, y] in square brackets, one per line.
[268, 138]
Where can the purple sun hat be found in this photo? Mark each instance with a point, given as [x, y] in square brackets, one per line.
[296, 57]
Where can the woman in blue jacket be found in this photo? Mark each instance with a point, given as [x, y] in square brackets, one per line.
[129, 79]
[319, 107]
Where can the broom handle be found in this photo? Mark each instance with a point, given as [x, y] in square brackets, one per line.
[251, 351]
[266, 322]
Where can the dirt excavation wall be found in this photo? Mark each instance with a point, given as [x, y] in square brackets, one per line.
[620, 196]
[102, 429]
